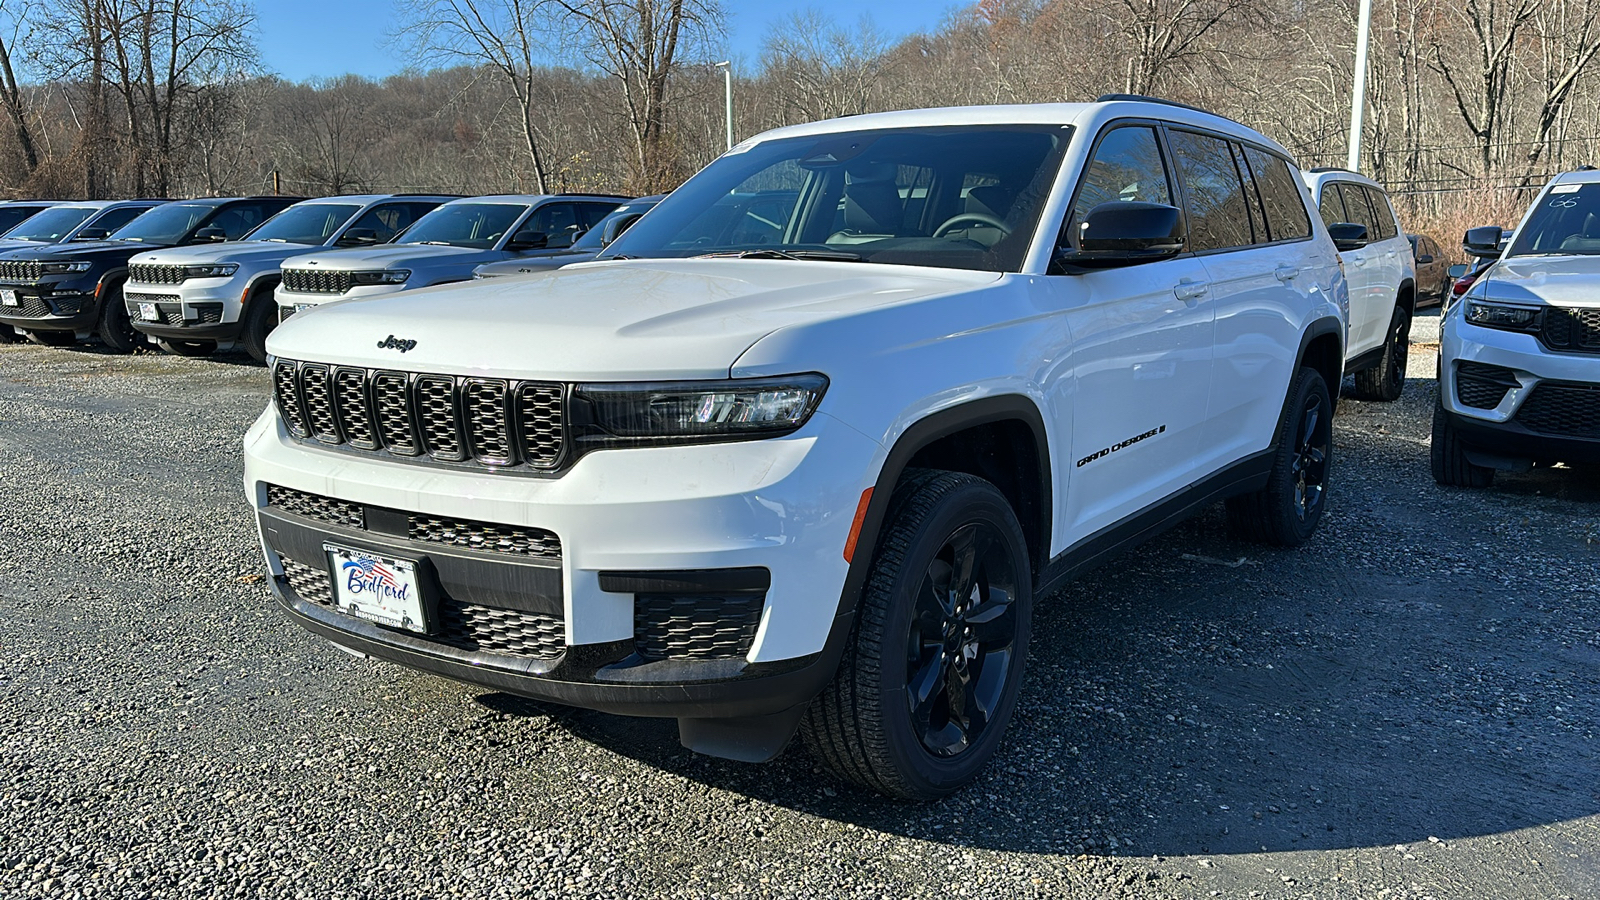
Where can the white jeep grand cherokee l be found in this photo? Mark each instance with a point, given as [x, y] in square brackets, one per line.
[803, 456]
[1519, 353]
[1381, 274]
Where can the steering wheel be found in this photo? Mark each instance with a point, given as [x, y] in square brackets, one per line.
[980, 218]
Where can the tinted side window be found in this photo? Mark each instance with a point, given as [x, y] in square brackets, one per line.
[1355, 207]
[1382, 213]
[558, 222]
[1252, 197]
[1126, 166]
[385, 221]
[236, 220]
[117, 218]
[1218, 215]
[1280, 196]
[1332, 204]
[590, 213]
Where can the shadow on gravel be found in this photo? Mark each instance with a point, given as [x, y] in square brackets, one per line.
[95, 348]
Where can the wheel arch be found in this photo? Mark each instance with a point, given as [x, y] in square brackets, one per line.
[1000, 438]
[1406, 298]
[1322, 348]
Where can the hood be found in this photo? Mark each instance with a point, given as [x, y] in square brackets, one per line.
[225, 252]
[1557, 280]
[611, 321]
[92, 250]
[396, 256]
[522, 266]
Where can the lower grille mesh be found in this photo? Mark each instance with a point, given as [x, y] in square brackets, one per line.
[1483, 386]
[464, 626]
[1564, 409]
[675, 627]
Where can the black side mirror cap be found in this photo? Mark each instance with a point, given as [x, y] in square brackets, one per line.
[616, 227]
[212, 234]
[1348, 236]
[1125, 233]
[1424, 259]
[92, 234]
[358, 237]
[528, 240]
[1483, 241]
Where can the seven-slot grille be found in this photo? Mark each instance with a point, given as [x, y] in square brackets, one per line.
[448, 418]
[465, 626]
[154, 273]
[1570, 328]
[21, 270]
[316, 281]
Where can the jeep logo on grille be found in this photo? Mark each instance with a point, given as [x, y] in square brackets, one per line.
[393, 343]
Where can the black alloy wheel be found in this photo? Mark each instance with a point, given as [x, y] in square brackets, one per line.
[1309, 467]
[1285, 512]
[1387, 380]
[963, 636]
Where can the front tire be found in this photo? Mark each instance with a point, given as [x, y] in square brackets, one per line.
[115, 330]
[1448, 457]
[1388, 379]
[1285, 513]
[259, 317]
[936, 654]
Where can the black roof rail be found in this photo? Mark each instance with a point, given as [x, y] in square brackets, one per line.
[1319, 169]
[1141, 98]
[426, 194]
[590, 194]
[1587, 168]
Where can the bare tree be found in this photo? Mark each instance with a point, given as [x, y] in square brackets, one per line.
[1481, 87]
[640, 44]
[506, 36]
[824, 70]
[11, 97]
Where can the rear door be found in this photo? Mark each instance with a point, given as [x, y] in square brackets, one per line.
[1364, 270]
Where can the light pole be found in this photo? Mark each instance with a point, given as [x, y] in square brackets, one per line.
[727, 95]
[1358, 93]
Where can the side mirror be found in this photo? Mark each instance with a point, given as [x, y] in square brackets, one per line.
[616, 227]
[1123, 233]
[1424, 259]
[528, 240]
[1456, 271]
[357, 237]
[1483, 241]
[211, 233]
[1348, 236]
[92, 234]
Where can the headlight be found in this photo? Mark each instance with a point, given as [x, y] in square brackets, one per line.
[688, 412]
[386, 276]
[1502, 315]
[226, 271]
[64, 268]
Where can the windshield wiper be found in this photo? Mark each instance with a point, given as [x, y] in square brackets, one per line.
[433, 243]
[774, 253]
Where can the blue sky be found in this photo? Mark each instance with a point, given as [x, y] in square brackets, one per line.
[304, 39]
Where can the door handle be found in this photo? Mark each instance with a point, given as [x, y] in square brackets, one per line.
[1189, 290]
[1286, 273]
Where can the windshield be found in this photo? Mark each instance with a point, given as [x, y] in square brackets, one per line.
[591, 239]
[966, 197]
[1564, 222]
[53, 224]
[306, 223]
[476, 225]
[12, 216]
[166, 224]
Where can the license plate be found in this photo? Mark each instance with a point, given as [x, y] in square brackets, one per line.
[9, 298]
[382, 589]
[149, 313]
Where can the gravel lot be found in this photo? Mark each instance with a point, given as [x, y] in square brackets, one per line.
[1406, 708]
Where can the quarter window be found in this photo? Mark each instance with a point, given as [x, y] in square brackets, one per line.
[1280, 196]
[1127, 165]
[1382, 213]
[1218, 215]
[1355, 206]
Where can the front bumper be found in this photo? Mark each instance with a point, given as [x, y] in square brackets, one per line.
[290, 302]
[1549, 410]
[692, 513]
[185, 311]
[44, 306]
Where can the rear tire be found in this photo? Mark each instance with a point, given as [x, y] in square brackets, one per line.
[53, 338]
[115, 331]
[188, 348]
[260, 316]
[1386, 381]
[1285, 513]
[1451, 467]
[935, 660]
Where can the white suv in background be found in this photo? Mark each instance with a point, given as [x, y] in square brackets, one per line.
[804, 453]
[1381, 273]
[444, 246]
[1519, 353]
[191, 300]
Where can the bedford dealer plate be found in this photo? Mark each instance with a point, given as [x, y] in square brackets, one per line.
[383, 589]
[149, 313]
[9, 298]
